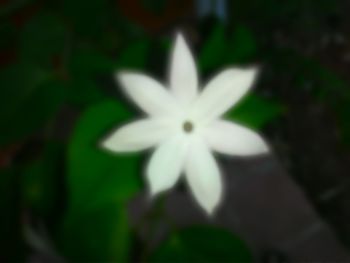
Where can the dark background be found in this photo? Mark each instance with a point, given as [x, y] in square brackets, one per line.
[62, 198]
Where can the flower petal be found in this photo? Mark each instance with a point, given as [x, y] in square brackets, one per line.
[203, 176]
[230, 138]
[222, 92]
[148, 94]
[138, 135]
[166, 164]
[183, 72]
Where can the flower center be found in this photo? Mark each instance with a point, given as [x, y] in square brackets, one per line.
[188, 126]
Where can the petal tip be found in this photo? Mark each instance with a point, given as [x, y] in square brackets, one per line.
[180, 41]
[211, 209]
[106, 145]
[155, 190]
[179, 36]
[121, 76]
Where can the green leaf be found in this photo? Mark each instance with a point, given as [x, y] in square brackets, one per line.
[42, 37]
[84, 91]
[134, 56]
[202, 244]
[86, 61]
[97, 235]
[88, 18]
[214, 49]
[242, 46]
[11, 240]
[100, 184]
[29, 97]
[87, 64]
[219, 51]
[39, 180]
[95, 175]
[255, 112]
[84, 66]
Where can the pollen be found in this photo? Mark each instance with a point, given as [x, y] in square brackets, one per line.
[188, 126]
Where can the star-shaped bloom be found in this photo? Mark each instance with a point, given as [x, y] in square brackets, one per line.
[184, 125]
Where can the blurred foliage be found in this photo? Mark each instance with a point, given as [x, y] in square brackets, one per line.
[90, 168]
[11, 242]
[40, 179]
[27, 86]
[222, 49]
[113, 180]
[43, 37]
[255, 112]
[202, 244]
[61, 56]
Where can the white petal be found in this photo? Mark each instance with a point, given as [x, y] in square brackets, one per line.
[166, 164]
[148, 94]
[183, 73]
[222, 92]
[203, 176]
[138, 135]
[230, 138]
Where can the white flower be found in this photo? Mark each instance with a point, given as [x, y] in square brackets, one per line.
[184, 126]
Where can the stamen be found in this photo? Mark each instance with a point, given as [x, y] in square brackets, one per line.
[188, 126]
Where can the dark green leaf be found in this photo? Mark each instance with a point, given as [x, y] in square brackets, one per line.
[11, 241]
[202, 244]
[242, 47]
[255, 112]
[42, 37]
[29, 97]
[39, 180]
[85, 65]
[84, 91]
[98, 235]
[89, 61]
[134, 56]
[100, 184]
[88, 18]
[97, 176]
[213, 52]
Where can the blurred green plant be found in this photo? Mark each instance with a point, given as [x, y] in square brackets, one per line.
[255, 112]
[40, 179]
[223, 50]
[100, 184]
[202, 244]
[30, 97]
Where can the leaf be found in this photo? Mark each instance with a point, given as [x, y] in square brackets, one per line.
[40, 180]
[88, 18]
[255, 112]
[202, 244]
[11, 241]
[42, 37]
[219, 51]
[134, 56]
[86, 61]
[29, 98]
[98, 235]
[94, 175]
[214, 49]
[96, 227]
[86, 65]
[84, 91]
[242, 46]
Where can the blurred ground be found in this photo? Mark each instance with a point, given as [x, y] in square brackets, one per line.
[264, 206]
